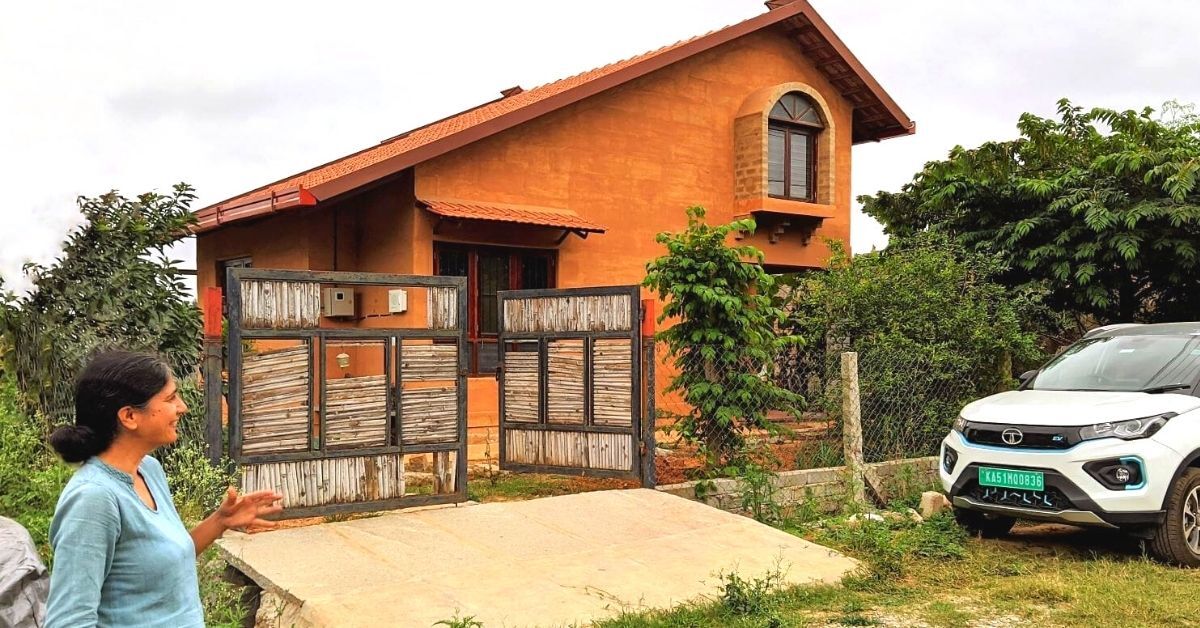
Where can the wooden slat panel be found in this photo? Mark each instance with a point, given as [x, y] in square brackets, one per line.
[565, 449]
[523, 446]
[610, 451]
[429, 415]
[275, 409]
[584, 450]
[356, 411]
[521, 386]
[320, 482]
[280, 304]
[568, 313]
[612, 382]
[564, 381]
[427, 362]
[442, 305]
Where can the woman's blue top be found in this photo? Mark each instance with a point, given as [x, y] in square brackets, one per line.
[117, 562]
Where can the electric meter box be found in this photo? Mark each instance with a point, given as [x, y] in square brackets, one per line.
[397, 301]
[337, 302]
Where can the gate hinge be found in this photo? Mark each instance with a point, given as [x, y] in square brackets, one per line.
[641, 448]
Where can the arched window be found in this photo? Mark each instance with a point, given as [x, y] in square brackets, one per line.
[792, 148]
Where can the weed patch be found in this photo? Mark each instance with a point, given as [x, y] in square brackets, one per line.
[33, 475]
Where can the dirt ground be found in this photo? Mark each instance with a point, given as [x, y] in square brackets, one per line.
[808, 444]
[1051, 538]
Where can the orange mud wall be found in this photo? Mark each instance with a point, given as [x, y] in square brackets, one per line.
[630, 159]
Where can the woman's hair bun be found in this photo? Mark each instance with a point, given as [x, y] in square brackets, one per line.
[76, 443]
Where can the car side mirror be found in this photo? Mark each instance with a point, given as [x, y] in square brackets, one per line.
[1026, 376]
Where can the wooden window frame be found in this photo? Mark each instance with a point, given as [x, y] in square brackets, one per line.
[790, 129]
[241, 261]
[475, 338]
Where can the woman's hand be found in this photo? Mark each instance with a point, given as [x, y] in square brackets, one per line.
[248, 510]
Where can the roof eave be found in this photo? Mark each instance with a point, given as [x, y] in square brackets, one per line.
[214, 217]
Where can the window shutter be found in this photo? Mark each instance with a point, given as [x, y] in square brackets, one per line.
[798, 178]
[775, 161]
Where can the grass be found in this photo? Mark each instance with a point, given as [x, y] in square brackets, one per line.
[517, 486]
[931, 574]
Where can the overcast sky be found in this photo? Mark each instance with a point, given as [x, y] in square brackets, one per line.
[138, 95]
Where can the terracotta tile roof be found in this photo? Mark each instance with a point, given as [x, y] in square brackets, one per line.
[431, 140]
[523, 214]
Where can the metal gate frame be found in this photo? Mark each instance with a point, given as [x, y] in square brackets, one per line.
[316, 338]
[642, 407]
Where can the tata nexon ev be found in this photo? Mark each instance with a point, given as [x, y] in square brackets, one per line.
[1105, 434]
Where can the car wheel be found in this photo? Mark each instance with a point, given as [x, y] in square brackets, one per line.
[984, 524]
[1177, 538]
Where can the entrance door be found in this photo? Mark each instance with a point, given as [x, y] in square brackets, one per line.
[571, 392]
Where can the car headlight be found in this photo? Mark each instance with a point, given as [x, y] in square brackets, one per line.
[960, 425]
[1126, 430]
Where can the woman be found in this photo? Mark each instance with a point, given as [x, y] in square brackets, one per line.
[122, 556]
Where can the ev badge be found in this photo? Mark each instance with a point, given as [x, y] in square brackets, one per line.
[1012, 436]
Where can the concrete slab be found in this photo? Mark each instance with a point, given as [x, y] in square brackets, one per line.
[544, 562]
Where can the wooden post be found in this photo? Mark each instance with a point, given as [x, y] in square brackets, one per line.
[211, 371]
[852, 440]
[649, 472]
[443, 473]
[1005, 374]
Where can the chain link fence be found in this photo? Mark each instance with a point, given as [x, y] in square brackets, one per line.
[907, 400]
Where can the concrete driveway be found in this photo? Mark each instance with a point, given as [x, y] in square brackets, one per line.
[544, 562]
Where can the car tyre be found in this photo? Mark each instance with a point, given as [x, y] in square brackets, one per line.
[986, 525]
[1177, 538]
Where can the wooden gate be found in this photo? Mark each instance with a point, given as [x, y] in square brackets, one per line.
[572, 397]
[347, 391]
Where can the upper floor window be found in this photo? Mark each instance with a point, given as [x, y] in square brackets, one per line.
[792, 148]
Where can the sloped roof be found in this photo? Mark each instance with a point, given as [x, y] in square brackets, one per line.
[541, 216]
[876, 115]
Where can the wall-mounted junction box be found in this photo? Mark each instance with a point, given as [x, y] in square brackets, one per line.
[337, 302]
[397, 301]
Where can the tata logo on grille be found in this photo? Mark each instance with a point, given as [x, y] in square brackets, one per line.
[1012, 436]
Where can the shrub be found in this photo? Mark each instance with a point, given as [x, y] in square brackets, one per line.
[932, 331]
[33, 475]
[723, 338]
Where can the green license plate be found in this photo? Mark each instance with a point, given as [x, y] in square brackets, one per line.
[1012, 478]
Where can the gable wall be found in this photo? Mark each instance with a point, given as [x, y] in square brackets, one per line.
[634, 157]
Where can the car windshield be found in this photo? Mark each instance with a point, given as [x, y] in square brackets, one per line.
[1124, 363]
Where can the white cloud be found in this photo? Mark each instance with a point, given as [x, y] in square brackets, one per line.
[227, 95]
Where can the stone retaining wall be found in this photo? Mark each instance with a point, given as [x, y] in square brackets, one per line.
[827, 487]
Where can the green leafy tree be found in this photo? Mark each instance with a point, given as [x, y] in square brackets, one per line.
[932, 331]
[1101, 207]
[113, 285]
[723, 334]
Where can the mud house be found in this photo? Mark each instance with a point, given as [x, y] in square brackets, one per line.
[566, 184]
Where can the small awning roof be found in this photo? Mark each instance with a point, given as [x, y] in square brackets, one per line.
[521, 214]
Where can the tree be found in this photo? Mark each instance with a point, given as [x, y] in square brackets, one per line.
[723, 339]
[1100, 207]
[932, 331]
[113, 285]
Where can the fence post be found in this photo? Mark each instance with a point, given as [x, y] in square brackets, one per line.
[852, 439]
[648, 471]
[1005, 375]
[211, 371]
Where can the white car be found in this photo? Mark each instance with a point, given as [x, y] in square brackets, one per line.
[1105, 434]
